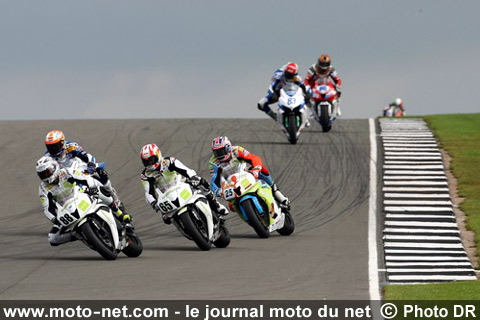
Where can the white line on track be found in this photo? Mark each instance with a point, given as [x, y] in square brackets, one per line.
[414, 189]
[372, 221]
[417, 231]
[423, 278]
[418, 202]
[422, 224]
[418, 209]
[412, 165]
[427, 258]
[428, 196]
[414, 177]
[425, 238]
[440, 264]
[415, 172]
[415, 183]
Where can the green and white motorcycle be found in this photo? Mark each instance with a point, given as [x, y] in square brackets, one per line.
[188, 209]
[95, 225]
[253, 200]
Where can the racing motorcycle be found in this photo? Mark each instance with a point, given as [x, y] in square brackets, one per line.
[253, 200]
[190, 212]
[324, 100]
[393, 112]
[291, 111]
[95, 225]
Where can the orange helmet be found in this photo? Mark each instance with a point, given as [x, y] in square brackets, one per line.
[323, 64]
[55, 143]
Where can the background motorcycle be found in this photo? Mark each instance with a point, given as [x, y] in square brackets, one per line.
[95, 224]
[291, 111]
[393, 111]
[324, 100]
[189, 210]
[254, 202]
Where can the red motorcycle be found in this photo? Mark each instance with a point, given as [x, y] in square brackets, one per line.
[324, 101]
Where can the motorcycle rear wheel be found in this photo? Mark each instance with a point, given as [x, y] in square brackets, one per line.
[224, 239]
[135, 246]
[289, 225]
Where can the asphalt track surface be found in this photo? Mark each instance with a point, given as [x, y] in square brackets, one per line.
[325, 175]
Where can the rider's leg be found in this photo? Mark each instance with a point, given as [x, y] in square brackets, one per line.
[277, 194]
[58, 236]
[215, 205]
[263, 105]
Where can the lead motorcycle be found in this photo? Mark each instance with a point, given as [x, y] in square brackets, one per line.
[190, 212]
[253, 200]
[292, 115]
[324, 101]
[95, 225]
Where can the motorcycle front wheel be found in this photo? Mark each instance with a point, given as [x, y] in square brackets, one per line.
[255, 219]
[325, 118]
[292, 128]
[191, 227]
[98, 235]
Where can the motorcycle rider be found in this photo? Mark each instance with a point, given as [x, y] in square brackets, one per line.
[323, 69]
[57, 187]
[397, 103]
[224, 154]
[160, 169]
[287, 73]
[65, 152]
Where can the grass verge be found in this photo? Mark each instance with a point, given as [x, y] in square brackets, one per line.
[459, 135]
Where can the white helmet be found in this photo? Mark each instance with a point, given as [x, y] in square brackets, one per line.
[47, 169]
[399, 102]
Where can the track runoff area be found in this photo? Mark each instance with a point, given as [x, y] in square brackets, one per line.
[334, 254]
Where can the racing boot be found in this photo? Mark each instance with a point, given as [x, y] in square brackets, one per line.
[280, 198]
[337, 107]
[121, 216]
[215, 205]
[263, 106]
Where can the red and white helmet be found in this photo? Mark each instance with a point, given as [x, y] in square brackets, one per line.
[291, 70]
[151, 157]
[222, 148]
[47, 169]
[55, 143]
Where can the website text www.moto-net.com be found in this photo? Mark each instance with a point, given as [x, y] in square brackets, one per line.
[206, 310]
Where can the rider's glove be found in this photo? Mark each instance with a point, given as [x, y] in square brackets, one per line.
[166, 219]
[195, 181]
[126, 218]
[91, 167]
[92, 191]
[154, 205]
[256, 170]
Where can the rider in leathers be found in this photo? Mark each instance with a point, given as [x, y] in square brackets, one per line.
[224, 154]
[323, 68]
[287, 73]
[57, 187]
[160, 170]
[68, 154]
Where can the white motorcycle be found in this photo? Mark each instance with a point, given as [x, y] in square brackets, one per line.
[189, 210]
[291, 111]
[95, 224]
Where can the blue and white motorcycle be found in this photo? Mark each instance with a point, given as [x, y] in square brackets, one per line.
[292, 115]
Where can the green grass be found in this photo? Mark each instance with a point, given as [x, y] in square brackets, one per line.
[459, 135]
